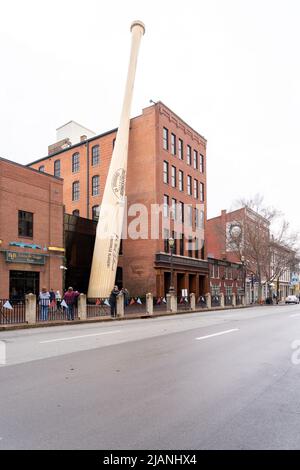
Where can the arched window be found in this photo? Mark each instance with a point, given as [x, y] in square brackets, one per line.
[95, 212]
[76, 212]
[95, 185]
[57, 168]
[75, 191]
[95, 155]
[42, 168]
[75, 162]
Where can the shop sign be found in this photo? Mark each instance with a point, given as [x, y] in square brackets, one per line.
[27, 258]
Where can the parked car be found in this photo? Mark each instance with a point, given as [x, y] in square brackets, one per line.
[291, 299]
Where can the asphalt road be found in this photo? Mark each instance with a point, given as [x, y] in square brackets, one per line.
[226, 380]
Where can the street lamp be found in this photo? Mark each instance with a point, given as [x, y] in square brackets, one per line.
[171, 245]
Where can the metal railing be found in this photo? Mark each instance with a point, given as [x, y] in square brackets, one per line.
[135, 305]
[183, 303]
[13, 315]
[98, 307]
[216, 301]
[53, 311]
[201, 302]
[159, 304]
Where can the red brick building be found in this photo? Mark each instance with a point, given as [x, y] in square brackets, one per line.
[221, 231]
[226, 278]
[166, 166]
[31, 230]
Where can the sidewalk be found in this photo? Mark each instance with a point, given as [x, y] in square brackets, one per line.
[128, 316]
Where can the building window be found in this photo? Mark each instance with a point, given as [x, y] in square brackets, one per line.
[173, 177]
[166, 205]
[228, 291]
[201, 192]
[195, 189]
[173, 144]
[190, 247]
[202, 219]
[190, 215]
[75, 162]
[166, 172]
[175, 242]
[215, 290]
[42, 168]
[95, 212]
[189, 154]
[76, 212]
[201, 163]
[165, 138]
[174, 209]
[166, 240]
[197, 248]
[195, 159]
[197, 219]
[95, 155]
[180, 180]
[95, 185]
[181, 215]
[181, 245]
[25, 224]
[57, 168]
[75, 191]
[189, 185]
[216, 272]
[180, 149]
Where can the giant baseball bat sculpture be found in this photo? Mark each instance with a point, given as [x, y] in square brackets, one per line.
[110, 222]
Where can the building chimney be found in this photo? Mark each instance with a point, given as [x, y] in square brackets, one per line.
[83, 138]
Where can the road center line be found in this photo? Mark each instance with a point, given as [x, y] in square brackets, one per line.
[218, 334]
[78, 337]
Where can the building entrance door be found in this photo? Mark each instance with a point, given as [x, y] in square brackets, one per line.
[23, 282]
[167, 282]
[192, 283]
[202, 286]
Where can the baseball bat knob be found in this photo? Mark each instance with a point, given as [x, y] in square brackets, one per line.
[138, 23]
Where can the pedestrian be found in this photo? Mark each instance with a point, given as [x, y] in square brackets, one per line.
[44, 302]
[52, 298]
[125, 292]
[70, 298]
[113, 301]
[58, 299]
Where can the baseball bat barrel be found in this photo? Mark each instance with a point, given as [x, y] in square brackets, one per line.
[111, 215]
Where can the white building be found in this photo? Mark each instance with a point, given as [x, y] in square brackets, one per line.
[74, 132]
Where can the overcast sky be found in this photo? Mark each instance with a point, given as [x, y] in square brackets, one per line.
[229, 68]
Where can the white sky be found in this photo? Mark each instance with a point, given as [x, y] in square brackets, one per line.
[229, 68]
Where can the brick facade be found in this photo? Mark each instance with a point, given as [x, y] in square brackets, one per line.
[23, 189]
[142, 268]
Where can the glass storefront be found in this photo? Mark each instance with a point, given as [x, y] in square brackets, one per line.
[22, 283]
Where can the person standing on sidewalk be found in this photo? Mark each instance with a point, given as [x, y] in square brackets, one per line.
[113, 301]
[44, 302]
[125, 292]
[58, 300]
[70, 299]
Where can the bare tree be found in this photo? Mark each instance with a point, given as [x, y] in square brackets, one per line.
[262, 240]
